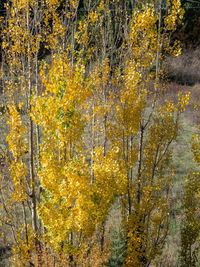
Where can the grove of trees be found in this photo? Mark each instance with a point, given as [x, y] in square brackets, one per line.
[87, 128]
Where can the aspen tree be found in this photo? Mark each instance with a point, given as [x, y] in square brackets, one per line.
[21, 43]
[190, 227]
[145, 165]
[97, 28]
[18, 146]
[64, 174]
[190, 244]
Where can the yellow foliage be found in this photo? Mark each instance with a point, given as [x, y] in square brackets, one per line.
[102, 137]
[18, 147]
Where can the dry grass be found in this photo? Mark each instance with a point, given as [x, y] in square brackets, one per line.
[185, 69]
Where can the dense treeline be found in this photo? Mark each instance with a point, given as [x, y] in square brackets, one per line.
[86, 127]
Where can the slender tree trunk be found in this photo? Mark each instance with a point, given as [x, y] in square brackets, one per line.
[37, 126]
[158, 41]
[128, 179]
[31, 153]
[25, 222]
[93, 142]
[140, 164]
